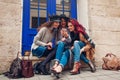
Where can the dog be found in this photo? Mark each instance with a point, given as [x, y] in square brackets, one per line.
[111, 62]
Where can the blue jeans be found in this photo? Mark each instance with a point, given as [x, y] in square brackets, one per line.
[65, 58]
[39, 51]
[60, 49]
[66, 55]
[83, 58]
[78, 45]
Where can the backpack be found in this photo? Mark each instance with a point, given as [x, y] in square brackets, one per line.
[37, 65]
[36, 68]
[15, 69]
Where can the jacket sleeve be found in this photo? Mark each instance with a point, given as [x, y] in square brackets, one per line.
[39, 36]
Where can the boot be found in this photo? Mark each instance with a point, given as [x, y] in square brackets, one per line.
[76, 68]
[43, 70]
[92, 66]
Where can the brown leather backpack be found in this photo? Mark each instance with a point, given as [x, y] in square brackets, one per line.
[15, 69]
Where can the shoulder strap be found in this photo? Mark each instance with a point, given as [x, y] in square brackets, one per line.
[18, 54]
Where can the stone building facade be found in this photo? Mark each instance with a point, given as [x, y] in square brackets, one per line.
[103, 19]
[104, 22]
[10, 31]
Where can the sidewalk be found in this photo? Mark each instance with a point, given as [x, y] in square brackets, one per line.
[85, 75]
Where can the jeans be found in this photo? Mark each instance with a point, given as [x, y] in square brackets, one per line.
[66, 55]
[78, 45]
[60, 49]
[83, 58]
[39, 51]
[50, 57]
[65, 58]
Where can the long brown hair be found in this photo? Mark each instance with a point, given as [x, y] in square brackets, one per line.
[46, 24]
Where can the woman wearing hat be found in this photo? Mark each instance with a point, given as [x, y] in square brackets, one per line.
[42, 44]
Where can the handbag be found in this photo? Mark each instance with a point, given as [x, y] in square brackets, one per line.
[27, 68]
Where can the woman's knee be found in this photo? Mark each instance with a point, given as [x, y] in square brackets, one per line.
[61, 43]
[76, 42]
[80, 43]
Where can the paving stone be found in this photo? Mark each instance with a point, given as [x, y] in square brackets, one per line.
[100, 74]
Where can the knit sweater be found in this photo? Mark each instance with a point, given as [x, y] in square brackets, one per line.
[42, 37]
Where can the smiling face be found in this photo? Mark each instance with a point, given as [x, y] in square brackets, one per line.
[55, 24]
[63, 23]
[71, 27]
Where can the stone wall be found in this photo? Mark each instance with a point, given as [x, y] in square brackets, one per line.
[10, 31]
[104, 21]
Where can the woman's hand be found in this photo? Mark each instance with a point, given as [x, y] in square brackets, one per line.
[64, 32]
[82, 50]
[63, 39]
[49, 45]
[49, 48]
[72, 47]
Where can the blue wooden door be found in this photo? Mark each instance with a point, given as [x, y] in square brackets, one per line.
[36, 12]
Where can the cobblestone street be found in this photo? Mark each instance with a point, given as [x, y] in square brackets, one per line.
[85, 75]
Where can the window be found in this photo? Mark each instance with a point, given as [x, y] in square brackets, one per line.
[63, 7]
[37, 12]
[35, 21]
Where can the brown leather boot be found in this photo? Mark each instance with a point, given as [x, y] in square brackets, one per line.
[92, 66]
[76, 68]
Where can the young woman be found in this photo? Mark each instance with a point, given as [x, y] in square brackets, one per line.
[65, 40]
[43, 41]
[81, 46]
